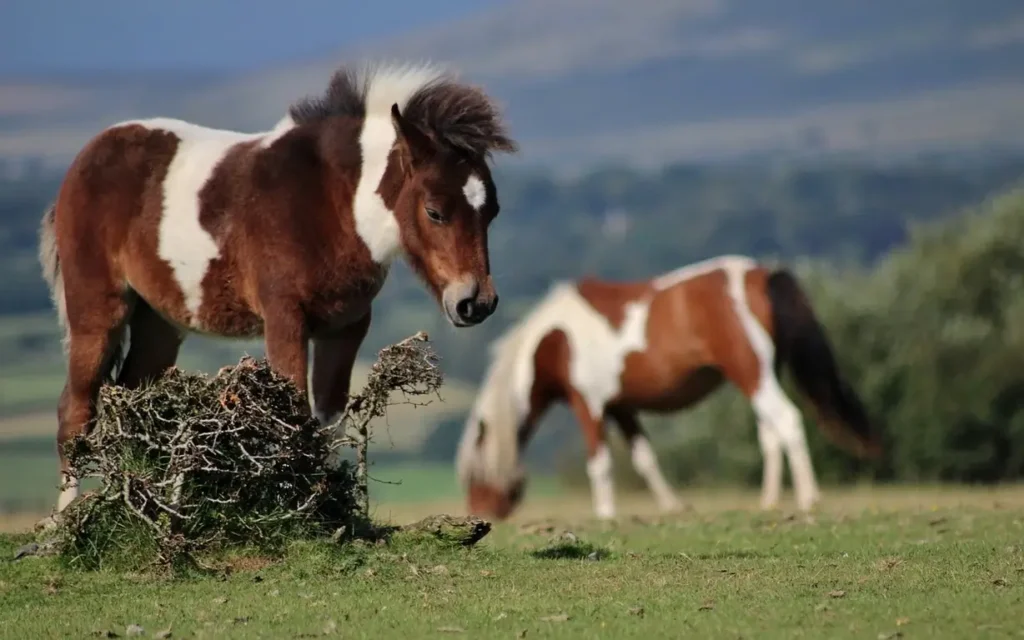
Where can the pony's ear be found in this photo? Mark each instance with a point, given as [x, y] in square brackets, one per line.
[416, 146]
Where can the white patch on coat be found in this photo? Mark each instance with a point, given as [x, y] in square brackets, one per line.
[691, 271]
[387, 86]
[182, 241]
[475, 192]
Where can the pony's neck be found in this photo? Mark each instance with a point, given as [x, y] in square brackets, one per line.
[362, 148]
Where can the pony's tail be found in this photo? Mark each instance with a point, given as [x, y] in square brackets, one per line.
[50, 261]
[801, 344]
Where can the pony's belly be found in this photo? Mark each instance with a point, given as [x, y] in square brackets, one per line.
[225, 316]
[664, 395]
[240, 323]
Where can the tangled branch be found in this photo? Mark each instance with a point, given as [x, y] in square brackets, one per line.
[410, 367]
[193, 462]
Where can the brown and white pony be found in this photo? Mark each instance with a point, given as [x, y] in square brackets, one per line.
[162, 227]
[611, 349]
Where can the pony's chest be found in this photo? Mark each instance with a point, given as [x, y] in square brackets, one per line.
[598, 353]
[338, 305]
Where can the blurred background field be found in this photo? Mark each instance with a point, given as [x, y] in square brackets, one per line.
[878, 148]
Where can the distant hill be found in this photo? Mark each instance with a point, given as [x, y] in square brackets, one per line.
[641, 82]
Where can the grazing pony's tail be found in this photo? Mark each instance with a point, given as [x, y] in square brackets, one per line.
[801, 343]
[50, 262]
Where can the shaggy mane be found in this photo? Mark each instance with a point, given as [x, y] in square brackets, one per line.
[456, 115]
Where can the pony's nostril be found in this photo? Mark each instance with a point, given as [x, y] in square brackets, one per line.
[465, 308]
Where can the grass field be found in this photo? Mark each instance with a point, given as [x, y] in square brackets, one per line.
[925, 563]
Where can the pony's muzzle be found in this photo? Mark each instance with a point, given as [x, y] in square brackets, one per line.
[466, 303]
[487, 501]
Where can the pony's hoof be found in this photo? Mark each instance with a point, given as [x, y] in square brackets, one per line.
[809, 505]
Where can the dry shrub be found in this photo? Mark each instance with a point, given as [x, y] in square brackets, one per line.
[196, 464]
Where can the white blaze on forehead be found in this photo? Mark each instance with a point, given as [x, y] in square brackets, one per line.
[183, 243]
[375, 223]
[475, 192]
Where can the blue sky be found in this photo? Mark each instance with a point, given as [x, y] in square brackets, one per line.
[40, 36]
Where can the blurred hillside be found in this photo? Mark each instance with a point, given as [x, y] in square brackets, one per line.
[642, 82]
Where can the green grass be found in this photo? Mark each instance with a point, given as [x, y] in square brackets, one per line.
[415, 483]
[866, 567]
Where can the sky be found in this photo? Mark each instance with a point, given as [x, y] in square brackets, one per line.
[61, 36]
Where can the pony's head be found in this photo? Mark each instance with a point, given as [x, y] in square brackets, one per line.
[489, 458]
[490, 468]
[444, 208]
[424, 185]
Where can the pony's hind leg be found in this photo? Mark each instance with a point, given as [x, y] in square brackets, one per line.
[644, 460]
[153, 347]
[95, 332]
[777, 414]
[779, 430]
[771, 456]
[746, 356]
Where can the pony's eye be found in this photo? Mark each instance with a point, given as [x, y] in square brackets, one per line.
[435, 215]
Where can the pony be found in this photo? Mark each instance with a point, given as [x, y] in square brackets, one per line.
[162, 228]
[612, 349]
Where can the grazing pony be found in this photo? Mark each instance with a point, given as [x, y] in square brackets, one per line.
[162, 227]
[612, 349]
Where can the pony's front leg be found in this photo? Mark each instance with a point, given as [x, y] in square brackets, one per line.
[644, 460]
[333, 358]
[771, 456]
[286, 339]
[599, 458]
